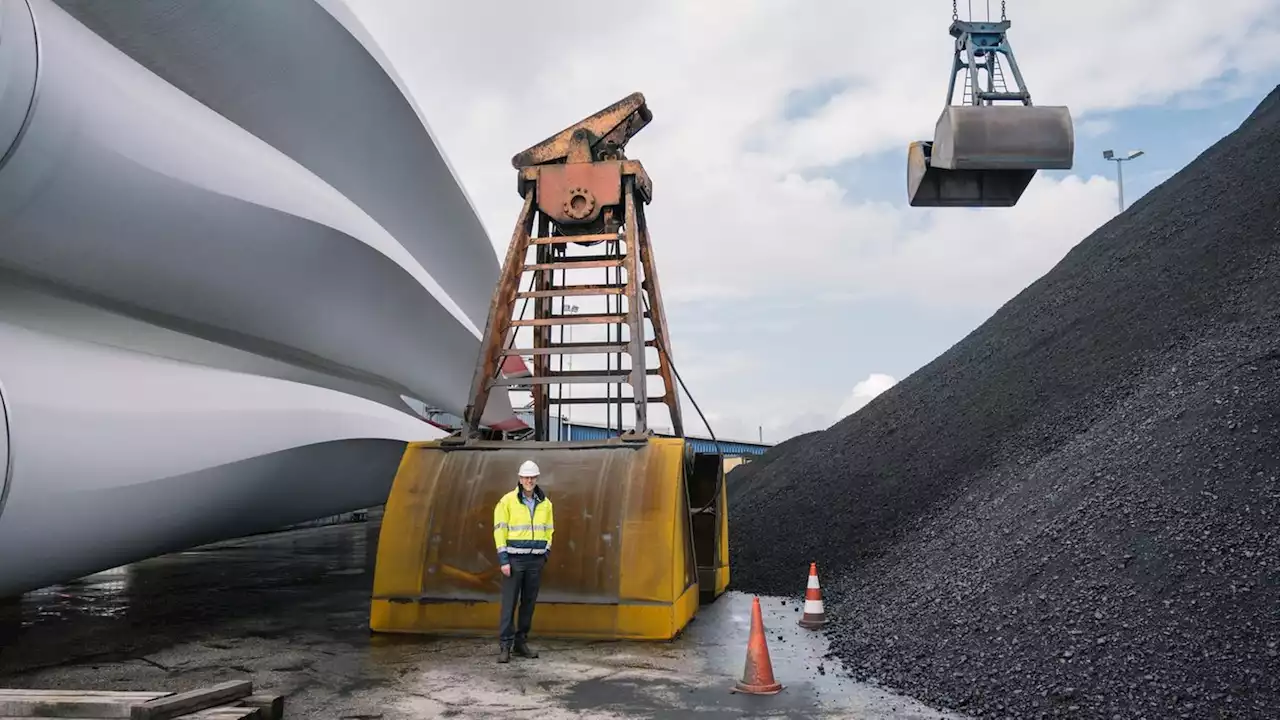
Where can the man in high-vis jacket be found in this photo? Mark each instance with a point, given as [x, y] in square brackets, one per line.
[522, 530]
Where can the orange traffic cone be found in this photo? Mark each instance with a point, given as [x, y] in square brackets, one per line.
[757, 675]
[814, 616]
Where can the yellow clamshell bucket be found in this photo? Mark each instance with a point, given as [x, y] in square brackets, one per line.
[622, 564]
[983, 154]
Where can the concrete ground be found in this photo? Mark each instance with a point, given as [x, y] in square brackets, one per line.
[289, 612]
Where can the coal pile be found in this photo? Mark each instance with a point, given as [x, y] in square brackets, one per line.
[741, 480]
[1074, 511]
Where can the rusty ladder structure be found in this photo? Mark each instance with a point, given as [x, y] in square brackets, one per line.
[582, 189]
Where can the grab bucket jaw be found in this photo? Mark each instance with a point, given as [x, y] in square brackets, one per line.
[1003, 137]
[622, 562]
[986, 156]
[929, 186]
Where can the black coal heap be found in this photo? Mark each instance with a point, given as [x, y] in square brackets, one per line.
[1074, 511]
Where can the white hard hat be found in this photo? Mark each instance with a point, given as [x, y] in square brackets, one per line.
[529, 468]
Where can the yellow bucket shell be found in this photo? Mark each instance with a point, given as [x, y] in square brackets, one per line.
[622, 561]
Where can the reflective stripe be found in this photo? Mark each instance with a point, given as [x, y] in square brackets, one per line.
[516, 550]
[499, 526]
[528, 528]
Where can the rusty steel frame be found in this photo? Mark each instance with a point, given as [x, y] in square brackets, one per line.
[581, 189]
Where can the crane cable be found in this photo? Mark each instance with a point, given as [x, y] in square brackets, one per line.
[955, 11]
[720, 477]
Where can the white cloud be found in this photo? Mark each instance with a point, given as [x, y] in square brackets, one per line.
[745, 207]
[864, 392]
[1096, 127]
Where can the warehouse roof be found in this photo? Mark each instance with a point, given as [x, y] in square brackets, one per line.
[591, 431]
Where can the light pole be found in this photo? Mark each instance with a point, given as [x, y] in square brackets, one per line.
[1109, 155]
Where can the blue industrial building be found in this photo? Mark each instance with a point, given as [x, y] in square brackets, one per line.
[730, 448]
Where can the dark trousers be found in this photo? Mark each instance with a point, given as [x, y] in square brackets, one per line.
[521, 586]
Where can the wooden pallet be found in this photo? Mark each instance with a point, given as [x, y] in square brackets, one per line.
[226, 701]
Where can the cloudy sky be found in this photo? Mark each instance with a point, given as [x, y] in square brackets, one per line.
[798, 282]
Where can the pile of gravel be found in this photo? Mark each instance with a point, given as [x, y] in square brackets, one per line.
[1075, 511]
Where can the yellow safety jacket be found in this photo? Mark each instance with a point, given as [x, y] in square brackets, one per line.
[519, 529]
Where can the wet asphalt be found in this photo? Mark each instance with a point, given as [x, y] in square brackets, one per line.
[289, 612]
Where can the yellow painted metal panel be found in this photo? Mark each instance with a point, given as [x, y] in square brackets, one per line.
[560, 620]
[621, 564]
[722, 564]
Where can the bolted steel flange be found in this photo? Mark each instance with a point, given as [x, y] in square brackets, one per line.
[580, 203]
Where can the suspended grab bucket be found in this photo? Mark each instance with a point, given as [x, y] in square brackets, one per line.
[985, 156]
[1004, 137]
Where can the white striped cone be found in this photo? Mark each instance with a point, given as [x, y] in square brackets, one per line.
[814, 616]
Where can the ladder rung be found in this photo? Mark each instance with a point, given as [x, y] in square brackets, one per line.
[594, 262]
[591, 258]
[600, 400]
[570, 349]
[592, 373]
[581, 379]
[568, 290]
[572, 320]
[983, 95]
[564, 239]
[590, 343]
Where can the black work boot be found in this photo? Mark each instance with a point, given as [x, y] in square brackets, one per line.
[504, 654]
[523, 650]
